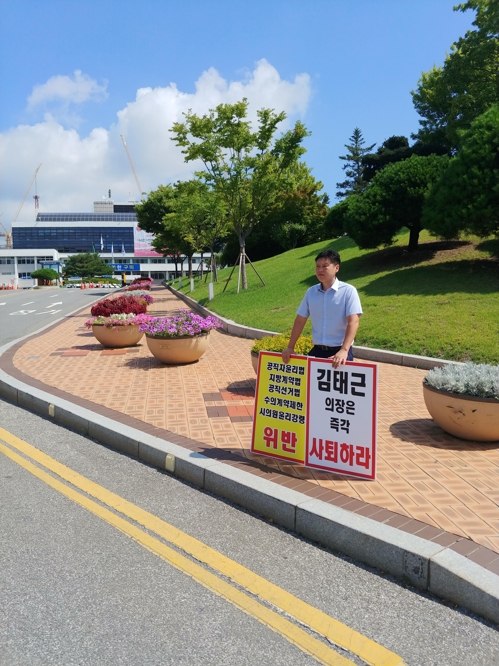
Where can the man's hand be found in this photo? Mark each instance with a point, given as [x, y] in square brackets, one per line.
[339, 358]
[286, 355]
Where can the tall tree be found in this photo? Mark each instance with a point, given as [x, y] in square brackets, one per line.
[246, 168]
[450, 97]
[199, 215]
[354, 182]
[150, 214]
[466, 197]
[151, 211]
[393, 200]
[294, 219]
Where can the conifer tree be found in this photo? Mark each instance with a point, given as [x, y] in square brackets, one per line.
[353, 167]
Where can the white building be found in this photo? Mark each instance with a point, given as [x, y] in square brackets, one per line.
[111, 230]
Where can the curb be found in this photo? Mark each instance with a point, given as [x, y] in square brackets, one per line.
[423, 564]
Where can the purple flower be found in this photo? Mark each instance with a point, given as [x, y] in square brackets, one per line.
[185, 324]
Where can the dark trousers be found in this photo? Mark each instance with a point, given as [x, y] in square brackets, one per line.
[321, 351]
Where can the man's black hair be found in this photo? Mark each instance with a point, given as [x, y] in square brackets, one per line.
[332, 255]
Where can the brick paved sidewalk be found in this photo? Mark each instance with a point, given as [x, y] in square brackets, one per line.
[423, 473]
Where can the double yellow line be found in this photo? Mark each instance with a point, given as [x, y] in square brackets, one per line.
[320, 623]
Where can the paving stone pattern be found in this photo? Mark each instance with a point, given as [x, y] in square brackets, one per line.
[422, 472]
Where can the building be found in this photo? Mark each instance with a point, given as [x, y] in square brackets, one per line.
[16, 266]
[111, 230]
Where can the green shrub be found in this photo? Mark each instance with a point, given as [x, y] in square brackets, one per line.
[481, 381]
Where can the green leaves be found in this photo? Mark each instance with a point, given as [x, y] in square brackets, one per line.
[353, 167]
[245, 168]
[466, 197]
[393, 200]
[450, 97]
[86, 265]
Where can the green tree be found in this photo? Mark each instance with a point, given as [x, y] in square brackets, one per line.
[466, 197]
[150, 215]
[299, 212]
[335, 220]
[85, 265]
[199, 214]
[396, 149]
[45, 274]
[295, 218]
[245, 168]
[151, 211]
[354, 182]
[450, 97]
[393, 200]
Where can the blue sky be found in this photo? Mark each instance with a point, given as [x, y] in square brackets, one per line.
[71, 73]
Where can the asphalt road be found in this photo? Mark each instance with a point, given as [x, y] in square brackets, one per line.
[76, 589]
[24, 311]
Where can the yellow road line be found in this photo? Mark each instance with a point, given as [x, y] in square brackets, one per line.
[270, 618]
[335, 631]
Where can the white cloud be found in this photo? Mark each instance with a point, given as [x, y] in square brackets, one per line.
[81, 88]
[77, 170]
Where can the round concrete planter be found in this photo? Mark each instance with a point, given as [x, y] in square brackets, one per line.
[463, 416]
[121, 336]
[254, 361]
[175, 351]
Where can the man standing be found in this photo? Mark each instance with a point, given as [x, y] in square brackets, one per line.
[334, 309]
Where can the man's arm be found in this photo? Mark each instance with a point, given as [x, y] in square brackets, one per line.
[296, 331]
[352, 325]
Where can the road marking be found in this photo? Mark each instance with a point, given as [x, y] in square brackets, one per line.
[52, 304]
[271, 619]
[29, 303]
[335, 631]
[22, 312]
[3, 303]
[48, 311]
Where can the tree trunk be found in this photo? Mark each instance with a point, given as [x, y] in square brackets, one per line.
[413, 237]
[242, 259]
[190, 266]
[214, 276]
[201, 266]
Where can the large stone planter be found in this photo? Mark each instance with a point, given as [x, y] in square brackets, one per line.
[175, 351]
[254, 361]
[121, 336]
[466, 417]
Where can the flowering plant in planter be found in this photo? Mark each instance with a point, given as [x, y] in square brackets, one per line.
[120, 305]
[116, 320]
[278, 343]
[142, 279]
[139, 285]
[185, 324]
[481, 381]
[464, 400]
[140, 294]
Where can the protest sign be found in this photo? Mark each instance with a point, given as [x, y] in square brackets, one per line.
[313, 414]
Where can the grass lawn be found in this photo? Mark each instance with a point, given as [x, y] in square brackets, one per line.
[441, 301]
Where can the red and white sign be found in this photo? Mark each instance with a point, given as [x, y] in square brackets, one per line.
[341, 418]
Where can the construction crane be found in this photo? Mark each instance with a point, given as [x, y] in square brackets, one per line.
[131, 164]
[8, 234]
